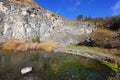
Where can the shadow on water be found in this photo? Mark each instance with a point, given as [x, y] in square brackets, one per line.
[55, 66]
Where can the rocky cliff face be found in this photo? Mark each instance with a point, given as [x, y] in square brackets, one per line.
[24, 19]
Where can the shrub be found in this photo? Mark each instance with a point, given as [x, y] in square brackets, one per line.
[112, 23]
[38, 7]
[36, 39]
[88, 25]
[115, 23]
[52, 14]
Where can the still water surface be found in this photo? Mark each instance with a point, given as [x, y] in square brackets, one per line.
[51, 66]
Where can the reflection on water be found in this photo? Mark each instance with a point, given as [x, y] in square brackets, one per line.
[57, 66]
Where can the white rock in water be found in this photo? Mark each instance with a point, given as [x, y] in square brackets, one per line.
[26, 70]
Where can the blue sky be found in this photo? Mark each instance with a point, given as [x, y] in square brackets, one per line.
[71, 8]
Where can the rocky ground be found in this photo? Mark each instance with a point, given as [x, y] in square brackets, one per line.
[103, 57]
[86, 53]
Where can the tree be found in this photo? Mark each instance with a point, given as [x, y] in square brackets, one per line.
[80, 17]
[88, 18]
[115, 23]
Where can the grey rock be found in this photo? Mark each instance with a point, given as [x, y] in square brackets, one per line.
[97, 56]
[30, 78]
[26, 23]
[26, 70]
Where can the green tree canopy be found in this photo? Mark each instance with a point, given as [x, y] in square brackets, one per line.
[80, 17]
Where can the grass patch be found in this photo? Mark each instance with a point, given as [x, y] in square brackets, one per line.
[17, 45]
[112, 66]
[95, 49]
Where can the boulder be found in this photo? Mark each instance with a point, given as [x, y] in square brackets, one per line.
[26, 70]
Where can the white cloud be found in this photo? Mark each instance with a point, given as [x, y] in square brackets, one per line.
[72, 9]
[75, 6]
[77, 3]
[116, 8]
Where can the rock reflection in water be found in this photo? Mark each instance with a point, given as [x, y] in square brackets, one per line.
[57, 66]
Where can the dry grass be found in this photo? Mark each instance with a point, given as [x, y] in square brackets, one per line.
[102, 36]
[17, 45]
[47, 46]
[104, 32]
[11, 45]
[24, 2]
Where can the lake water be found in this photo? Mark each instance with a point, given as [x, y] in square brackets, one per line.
[51, 66]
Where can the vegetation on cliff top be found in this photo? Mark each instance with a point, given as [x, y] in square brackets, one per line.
[106, 34]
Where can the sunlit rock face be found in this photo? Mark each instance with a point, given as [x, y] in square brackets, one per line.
[25, 20]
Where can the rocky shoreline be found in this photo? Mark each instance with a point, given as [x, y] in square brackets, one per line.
[103, 57]
[100, 57]
[96, 56]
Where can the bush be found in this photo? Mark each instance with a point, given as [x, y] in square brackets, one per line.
[52, 14]
[115, 23]
[112, 23]
[36, 39]
[38, 7]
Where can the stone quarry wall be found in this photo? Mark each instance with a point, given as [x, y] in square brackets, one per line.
[27, 22]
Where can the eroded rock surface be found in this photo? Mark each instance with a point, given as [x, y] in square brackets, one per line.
[26, 20]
